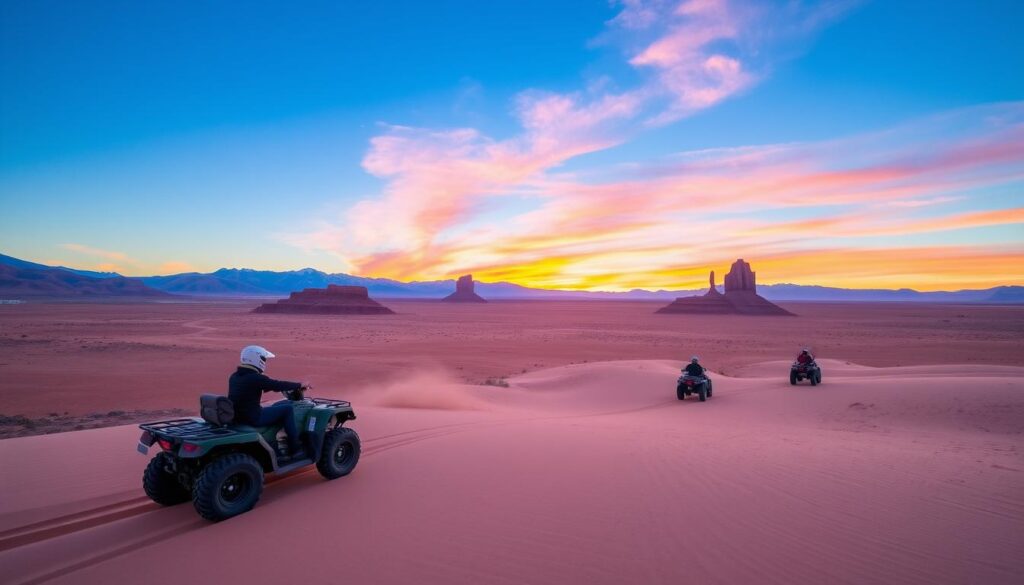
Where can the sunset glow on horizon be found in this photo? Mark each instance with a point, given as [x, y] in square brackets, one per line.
[659, 140]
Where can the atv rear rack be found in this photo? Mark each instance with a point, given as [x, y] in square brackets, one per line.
[186, 428]
[331, 403]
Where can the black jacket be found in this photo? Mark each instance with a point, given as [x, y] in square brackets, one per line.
[245, 388]
[694, 369]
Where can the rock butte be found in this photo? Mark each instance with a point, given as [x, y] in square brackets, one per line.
[464, 292]
[333, 300]
[740, 297]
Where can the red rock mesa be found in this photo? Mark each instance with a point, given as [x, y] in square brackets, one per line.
[333, 300]
[740, 296]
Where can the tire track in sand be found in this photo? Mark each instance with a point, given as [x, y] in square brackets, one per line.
[112, 512]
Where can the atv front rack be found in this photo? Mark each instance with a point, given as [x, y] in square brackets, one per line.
[186, 428]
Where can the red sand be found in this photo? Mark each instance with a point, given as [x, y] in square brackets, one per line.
[587, 473]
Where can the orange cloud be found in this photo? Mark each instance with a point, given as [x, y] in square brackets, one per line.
[932, 268]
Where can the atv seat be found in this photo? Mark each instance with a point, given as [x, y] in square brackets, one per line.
[216, 410]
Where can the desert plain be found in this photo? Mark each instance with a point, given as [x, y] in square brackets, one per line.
[533, 442]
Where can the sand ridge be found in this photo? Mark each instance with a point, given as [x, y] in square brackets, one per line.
[587, 473]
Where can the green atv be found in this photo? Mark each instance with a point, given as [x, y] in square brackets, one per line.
[220, 466]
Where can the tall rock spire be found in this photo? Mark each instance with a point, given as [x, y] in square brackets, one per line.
[464, 291]
[740, 277]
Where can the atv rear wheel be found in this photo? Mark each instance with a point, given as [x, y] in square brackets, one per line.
[680, 394]
[792, 378]
[228, 487]
[340, 453]
[703, 392]
[813, 378]
[817, 376]
[161, 485]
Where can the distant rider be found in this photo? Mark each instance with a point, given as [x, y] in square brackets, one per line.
[246, 387]
[694, 368]
[805, 358]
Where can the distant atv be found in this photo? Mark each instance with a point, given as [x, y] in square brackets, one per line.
[699, 385]
[220, 466]
[811, 371]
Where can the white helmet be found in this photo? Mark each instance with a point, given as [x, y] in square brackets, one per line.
[694, 359]
[256, 357]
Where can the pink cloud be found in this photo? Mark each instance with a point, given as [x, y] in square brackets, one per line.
[695, 74]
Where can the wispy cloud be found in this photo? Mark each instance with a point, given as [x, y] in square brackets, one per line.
[97, 252]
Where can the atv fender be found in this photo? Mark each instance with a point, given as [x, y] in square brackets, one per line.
[201, 449]
[319, 422]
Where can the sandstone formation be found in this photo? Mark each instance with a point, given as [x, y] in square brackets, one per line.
[464, 292]
[740, 277]
[333, 300]
[740, 297]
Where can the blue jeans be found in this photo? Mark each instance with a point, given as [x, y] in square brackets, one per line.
[280, 413]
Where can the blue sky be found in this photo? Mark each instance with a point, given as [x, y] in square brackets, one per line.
[152, 137]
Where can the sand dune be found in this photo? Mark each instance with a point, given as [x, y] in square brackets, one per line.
[587, 473]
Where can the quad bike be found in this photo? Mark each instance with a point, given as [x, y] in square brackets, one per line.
[810, 371]
[688, 384]
[220, 466]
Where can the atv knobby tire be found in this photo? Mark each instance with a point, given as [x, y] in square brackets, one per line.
[680, 394]
[709, 388]
[792, 378]
[340, 453]
[703, 392]
[813, 377]
[817, 375]
[161, 486]
[229, 486]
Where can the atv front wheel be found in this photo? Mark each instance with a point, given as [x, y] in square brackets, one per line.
[161, 485]
[228, 487]
[340, 453]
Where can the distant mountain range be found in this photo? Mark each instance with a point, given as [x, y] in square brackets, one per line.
[15, 262]
[22, 280]
[20, 277]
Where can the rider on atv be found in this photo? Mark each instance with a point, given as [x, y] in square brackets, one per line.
[805, 358]
[694, 368]
[246, 387]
